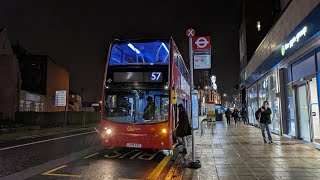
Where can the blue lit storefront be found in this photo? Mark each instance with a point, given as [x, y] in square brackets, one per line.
[289, 79]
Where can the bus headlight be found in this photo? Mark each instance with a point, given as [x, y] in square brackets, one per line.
[164, 131]
[109, 131]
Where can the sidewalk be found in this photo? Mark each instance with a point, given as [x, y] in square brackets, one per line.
[239, 153]
[43, 132]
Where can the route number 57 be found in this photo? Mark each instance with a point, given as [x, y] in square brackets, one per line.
[155, 76]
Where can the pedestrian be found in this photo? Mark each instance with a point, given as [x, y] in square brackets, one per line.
[244, 116]
[235, 115]
[184, 129]
[228, 115]
[263, 116]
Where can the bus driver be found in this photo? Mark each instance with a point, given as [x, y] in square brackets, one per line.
[149, 110]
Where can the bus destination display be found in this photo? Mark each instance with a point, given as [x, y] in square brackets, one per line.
[138, 76]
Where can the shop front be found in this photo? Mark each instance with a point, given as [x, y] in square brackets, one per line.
[302, 98]
[289, 79]
[264, 90]
[252, 99]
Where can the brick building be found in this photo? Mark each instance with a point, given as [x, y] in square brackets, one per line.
[41, 78]
[28, 82]
[9, 78]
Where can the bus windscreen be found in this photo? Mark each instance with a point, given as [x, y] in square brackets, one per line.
[136, 106]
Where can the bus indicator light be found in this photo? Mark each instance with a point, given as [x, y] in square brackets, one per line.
[164, 131]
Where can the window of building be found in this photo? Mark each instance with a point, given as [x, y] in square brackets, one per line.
[21, 108]
[36, 108]
[267, 92]
[28, 105]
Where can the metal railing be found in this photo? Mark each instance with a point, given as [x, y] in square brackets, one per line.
[206, 120]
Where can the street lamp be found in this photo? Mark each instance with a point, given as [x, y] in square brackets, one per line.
[224, 95]
[258, 26]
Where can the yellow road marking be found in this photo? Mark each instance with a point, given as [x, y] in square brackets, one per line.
[90, 155]
[136, 155]
[147, 156]
[156, 172]
[50, 172]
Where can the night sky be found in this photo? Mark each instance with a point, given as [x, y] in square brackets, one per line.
[77, 34]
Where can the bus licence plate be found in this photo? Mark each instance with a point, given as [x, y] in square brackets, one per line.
[134, 145]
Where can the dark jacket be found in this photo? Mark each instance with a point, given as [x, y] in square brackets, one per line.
[243, 112]
[228, 113]
[235, 114]
[184, 128]
[149, 111]
[264, 116]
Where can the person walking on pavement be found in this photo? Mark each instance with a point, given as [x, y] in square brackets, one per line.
[235, 115]
[263, 116]
[244, 116]
[184, 129]
[228, 115]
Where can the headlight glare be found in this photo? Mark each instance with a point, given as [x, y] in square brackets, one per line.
[164, 131]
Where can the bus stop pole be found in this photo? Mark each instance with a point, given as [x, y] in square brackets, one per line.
[193, 164]
[65, 116]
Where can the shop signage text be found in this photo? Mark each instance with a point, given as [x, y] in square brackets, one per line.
[295, 39]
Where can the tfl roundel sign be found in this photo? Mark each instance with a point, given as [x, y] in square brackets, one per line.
[201, 43]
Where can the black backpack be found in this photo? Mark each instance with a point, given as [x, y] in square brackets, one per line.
[257, 114]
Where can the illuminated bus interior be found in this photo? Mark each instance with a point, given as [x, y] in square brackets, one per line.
[129, 106]
[140, 53]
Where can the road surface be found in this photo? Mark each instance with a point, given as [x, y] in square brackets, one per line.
[77, 155]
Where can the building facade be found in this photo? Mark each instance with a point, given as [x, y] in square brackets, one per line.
[41, 78]
[9, 78]
[29, 82]
[257, 18]
[284, 70]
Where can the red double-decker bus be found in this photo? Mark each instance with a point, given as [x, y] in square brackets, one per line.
[143, 83]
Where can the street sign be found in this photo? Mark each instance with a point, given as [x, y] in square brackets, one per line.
[61, 98]
[190, 32]
[201, 43]
[202, 52]
[202, 61]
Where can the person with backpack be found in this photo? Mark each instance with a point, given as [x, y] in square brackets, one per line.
[263, 116]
